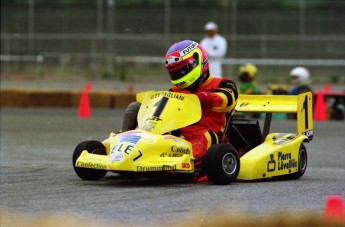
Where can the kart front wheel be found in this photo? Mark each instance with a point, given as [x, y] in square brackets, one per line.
[221, 163]
[94, 147]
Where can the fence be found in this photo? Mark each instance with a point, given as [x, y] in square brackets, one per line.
[125, 56]
[113, 37]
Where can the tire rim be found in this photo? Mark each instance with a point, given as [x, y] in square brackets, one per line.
[229, 163]
[302, 160]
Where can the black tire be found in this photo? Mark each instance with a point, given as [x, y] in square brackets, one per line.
[221, 164]
[302, 165]
[92, 146]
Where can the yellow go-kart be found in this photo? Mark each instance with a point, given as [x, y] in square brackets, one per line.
[152, 149]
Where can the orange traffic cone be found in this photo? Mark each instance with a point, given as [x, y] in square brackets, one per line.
[84, 106]
[88, 86]
[320, 110]
[327, 88]
[334, 208]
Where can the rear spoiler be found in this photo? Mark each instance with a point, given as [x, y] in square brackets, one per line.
[300, 104]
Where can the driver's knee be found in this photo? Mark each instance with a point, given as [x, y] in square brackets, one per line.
[199, 150]
[130, 116]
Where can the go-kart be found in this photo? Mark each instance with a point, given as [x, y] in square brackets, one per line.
[154, 149]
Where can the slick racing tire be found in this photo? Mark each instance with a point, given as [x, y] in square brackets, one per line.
[94, 147]
[221, 164]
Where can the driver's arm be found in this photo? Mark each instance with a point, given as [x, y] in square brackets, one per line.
[222, 99]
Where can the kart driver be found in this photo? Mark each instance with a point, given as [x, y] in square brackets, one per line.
[188, 67]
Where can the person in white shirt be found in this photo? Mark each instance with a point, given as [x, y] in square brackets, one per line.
[215, 46]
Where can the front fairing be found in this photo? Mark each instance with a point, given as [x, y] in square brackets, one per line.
[164, 111]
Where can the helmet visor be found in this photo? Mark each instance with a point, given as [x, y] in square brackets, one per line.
[182, 68]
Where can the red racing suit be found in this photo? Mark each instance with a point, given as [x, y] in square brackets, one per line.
[217, 96]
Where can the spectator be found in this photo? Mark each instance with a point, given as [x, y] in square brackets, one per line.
[215, 46]
[300, 78]
[247, 77]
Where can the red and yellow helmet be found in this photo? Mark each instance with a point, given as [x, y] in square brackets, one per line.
[186, 61]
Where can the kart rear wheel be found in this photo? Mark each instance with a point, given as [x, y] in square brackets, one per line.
[94, 147]
[221, 164]
[302, 163]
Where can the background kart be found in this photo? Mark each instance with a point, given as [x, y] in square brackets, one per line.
[152, 149]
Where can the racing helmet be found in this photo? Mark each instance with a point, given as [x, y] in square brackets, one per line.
[247, 72]
[186, 61]
[300, 75]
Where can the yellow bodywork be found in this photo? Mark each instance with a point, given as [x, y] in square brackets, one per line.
[150, 147]
[301, 105]
[278, 154]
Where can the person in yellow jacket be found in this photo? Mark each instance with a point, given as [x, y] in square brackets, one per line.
[247, 77]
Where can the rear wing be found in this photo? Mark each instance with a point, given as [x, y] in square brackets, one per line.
[300, 104]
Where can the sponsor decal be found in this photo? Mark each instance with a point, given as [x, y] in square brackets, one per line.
[309, 134]
[168, 95]
[155, 95]
[91, 165]
[155, 168]
[285, 161]
[205, 62]
[149, 124]
[185, 165]
[173, 138]
[180, 84]
[244, 104]
[188, 48]
[122, 147]
[117, 152]
[132, 138]
[183, 150]
[169, 155]
[271, 164]
[140, 153]
[136, 136]
[116, 157]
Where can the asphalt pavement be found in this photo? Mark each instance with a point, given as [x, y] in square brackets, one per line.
[37, 176]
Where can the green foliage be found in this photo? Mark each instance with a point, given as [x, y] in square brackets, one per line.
[105, 75]
[41, 72]
[119, 69]
[335, 79]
